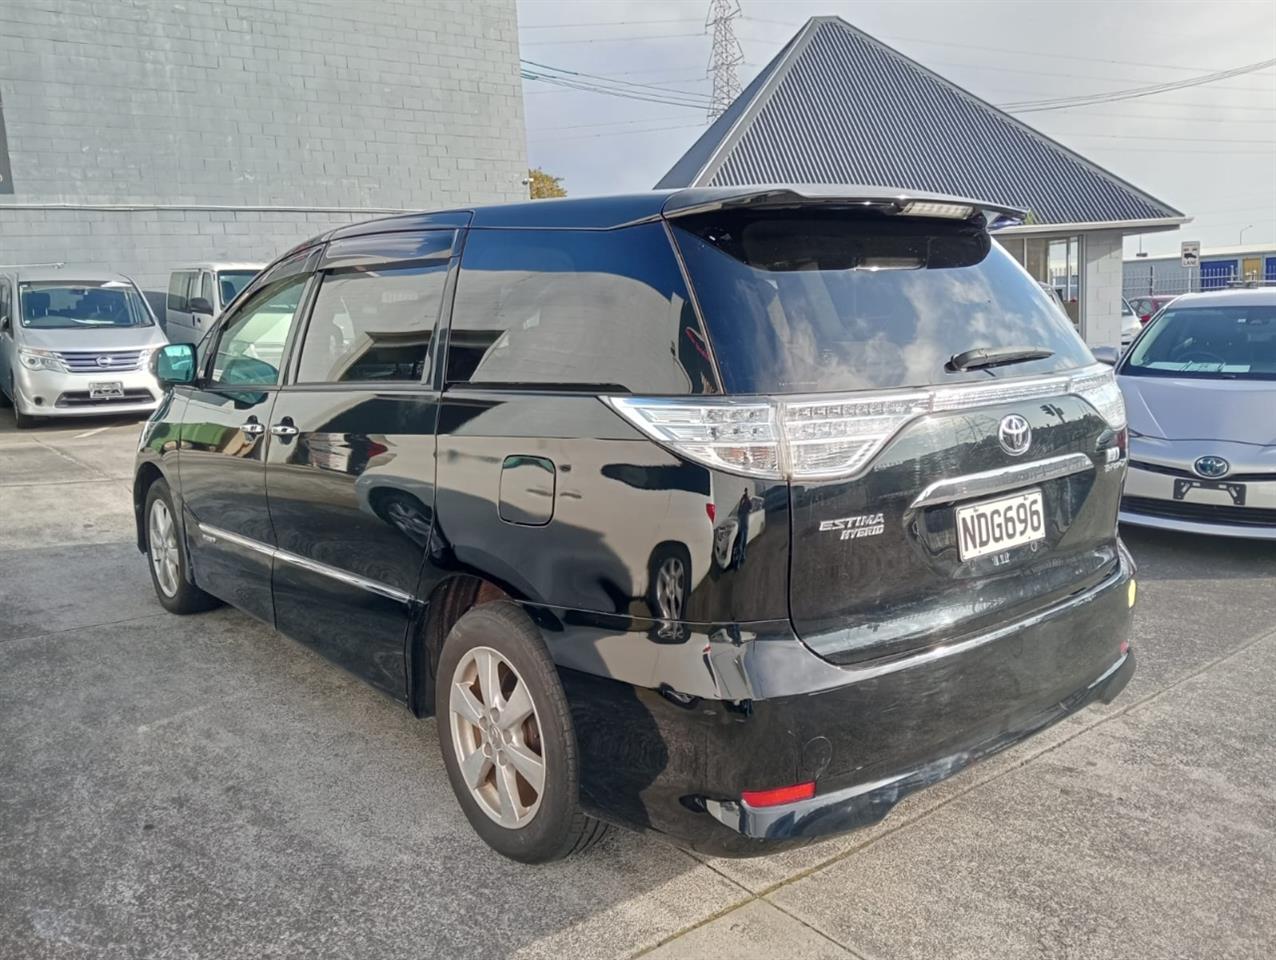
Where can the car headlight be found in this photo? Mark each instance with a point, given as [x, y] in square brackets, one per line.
[35, 359]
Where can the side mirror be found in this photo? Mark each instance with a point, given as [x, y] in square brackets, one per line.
[1108, 355]
[174, 363]
[200, 305]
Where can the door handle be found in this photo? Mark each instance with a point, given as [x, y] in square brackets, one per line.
[253, 428]
[284, 429]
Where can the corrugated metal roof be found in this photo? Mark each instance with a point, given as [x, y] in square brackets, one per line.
[837, 106]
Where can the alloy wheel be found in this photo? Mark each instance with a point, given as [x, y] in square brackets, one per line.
[162, 539]
[669, 588]
[496, 735]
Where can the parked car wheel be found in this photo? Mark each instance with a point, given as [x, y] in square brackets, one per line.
[507, 737]
[166, 558]
[22, 420]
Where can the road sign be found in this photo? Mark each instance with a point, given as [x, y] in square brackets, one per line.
[1190, 253]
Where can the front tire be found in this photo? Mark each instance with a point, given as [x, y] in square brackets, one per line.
[507, 739]
[165, 557]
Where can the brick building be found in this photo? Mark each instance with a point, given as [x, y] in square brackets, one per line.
[139, 134]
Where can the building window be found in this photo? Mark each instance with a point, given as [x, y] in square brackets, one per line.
[1054, 262]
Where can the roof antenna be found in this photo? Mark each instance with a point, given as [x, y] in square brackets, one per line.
[727, 55]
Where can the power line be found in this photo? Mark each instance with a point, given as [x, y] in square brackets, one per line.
[608, 80]
[616, 133]
[643, 97]
[1132, 93]
[1136, 136]
[662, 36]
[610, 123]
[603, 23]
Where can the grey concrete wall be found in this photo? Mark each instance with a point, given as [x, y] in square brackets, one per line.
[259, 107]
[1101, 252]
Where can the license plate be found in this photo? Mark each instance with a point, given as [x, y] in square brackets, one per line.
[104, 391]
[996, 525]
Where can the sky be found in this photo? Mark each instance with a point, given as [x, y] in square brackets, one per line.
[1209, 151]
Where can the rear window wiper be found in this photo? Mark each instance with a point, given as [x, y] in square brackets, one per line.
[982, 357]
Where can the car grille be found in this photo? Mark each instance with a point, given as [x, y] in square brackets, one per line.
[81, 398]
[1178, 472]
[101, 361]
[1200, 512]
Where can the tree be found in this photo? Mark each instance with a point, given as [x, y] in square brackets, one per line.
[542, 185]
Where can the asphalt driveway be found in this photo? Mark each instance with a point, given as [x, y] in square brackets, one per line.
[202, 787]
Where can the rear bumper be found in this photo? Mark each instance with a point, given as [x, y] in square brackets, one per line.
[865, 804]
[677, 763]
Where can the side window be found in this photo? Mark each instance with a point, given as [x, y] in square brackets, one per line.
[576, 308]
[373, 324]
[251, 348]
[6, 303]
[178, 290]
[206, 288]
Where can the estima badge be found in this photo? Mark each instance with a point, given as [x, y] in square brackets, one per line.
[1212, 467]
[1015, 435]
[852, 528]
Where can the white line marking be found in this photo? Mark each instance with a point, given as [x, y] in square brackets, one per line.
[89, 433]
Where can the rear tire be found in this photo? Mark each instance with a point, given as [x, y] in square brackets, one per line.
[166, 558]
[505, 729]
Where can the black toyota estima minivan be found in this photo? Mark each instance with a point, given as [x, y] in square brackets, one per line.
[729, 514]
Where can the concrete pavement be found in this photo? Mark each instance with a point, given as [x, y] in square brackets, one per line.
[202, 787]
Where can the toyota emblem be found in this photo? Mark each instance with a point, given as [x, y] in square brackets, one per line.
[1211, 467]
[104, 361]
[1015, 435]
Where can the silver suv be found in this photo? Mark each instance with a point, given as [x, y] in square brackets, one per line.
[75, 342]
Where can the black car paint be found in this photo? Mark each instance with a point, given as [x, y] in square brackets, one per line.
[404, 486]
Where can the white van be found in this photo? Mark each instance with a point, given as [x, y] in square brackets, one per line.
[75, 341]
[197, 294]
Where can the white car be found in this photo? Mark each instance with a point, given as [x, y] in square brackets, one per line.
[75, 342]
[1130, 325]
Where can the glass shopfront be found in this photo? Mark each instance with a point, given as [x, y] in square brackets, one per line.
[1056, 262]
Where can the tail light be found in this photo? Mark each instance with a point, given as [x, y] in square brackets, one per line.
[779, 795]
[831, 435]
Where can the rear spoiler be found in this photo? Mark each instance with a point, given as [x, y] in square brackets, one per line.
[684, 203]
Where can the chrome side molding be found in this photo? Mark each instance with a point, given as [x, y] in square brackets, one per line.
[1003, 478]
[214, 534]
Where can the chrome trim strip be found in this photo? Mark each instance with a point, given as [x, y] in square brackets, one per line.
[213, 534]
[1003, 478]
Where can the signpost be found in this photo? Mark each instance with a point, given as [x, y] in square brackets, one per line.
[1190, 258]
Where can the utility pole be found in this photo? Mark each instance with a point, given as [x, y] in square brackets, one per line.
[726, 57]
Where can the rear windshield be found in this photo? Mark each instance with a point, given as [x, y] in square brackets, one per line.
[63, 306]
[1230, 342]
[814, 301]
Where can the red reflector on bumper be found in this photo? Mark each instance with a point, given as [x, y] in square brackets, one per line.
[773, 798]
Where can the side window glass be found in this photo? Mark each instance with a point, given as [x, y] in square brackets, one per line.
[576, 308]
[6, 311]
[177, 287]
[206, 288]
[251, 348]
[373, 324]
